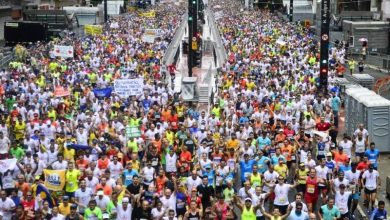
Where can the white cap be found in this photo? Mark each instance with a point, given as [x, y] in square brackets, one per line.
[125, 200]
[100, 193]
[106, 216]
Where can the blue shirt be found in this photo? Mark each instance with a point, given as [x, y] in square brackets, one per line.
[296, 216]
[128, 176]
[377, 214]
[262, 164]
[275, 159]
[263, 142]
[336, 103]
[246, 168]
[330, 164]
[373, 156]
[210, 176]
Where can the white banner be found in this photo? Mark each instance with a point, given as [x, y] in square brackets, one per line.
[63, 51]
[128, 87]
[148, 38]
[154, 32]
[7, 164]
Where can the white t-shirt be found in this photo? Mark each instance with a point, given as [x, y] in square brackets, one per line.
[242, 194]
[58, 217]
[148, 174]
[60, 165]
[347, 147]
[337, 183]
[158, 214]
[304, 206]
[270, 178]
[123, 214]
[371, 179]
[4, 145]
[353, 178]
[171, 162]
[84, 197]
[322, 172]
[102, 203]
[191, 183]
[281, 194]
[341, 201]
[256, 200]
[169, 203]
[115, 169]
[5, 207]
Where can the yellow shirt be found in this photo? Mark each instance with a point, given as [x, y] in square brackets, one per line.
[232, 144]
[69, 153]
[281, 169]
[64, 210]
[72, 180]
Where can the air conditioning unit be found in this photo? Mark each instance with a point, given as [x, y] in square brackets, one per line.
[376, 16]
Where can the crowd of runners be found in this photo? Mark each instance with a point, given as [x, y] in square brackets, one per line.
[268, 148]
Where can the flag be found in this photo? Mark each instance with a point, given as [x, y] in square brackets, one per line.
[45, 195]
[54, 179]
[102, 93]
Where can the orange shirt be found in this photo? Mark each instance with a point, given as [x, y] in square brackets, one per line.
[340, 158]
[287, 151]
[82, 164]
[107, 190]
[103, 164]
[280, 138]
[25, 187]
[160, 183]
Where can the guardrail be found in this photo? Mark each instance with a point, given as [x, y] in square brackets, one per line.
[175, 43]
[218, 45]
[6, 59]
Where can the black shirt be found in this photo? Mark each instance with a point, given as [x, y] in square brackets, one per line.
[206, 192]
[133, 189]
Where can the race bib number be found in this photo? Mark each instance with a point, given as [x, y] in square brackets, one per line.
[310, 188]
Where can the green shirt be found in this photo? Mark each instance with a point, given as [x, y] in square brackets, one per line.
[329, 214]
[17, 152]
[97, 212]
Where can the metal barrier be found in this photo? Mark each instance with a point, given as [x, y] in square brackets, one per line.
[6, 59]
[173, 51]
[218, 45]
[175, 43]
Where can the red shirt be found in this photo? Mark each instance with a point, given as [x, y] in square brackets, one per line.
[289, 132]
[312, 187]
[363, 166]
[28, 204]
[323, 126]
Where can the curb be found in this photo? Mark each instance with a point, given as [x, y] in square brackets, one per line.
[361, 212]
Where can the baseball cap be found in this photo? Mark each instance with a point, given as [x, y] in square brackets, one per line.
[248, 199]
[329, 154]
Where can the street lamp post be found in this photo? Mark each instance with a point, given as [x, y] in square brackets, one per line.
[291, 10]
[324, 50]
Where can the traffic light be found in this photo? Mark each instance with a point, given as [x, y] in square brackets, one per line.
[198, 59]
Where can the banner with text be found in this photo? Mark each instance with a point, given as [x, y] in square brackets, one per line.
[7, 164]
[128, 87]
[63, 51]
[54, 179]
[93, 29]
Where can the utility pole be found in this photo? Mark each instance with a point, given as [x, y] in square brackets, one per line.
[324, 50]
[291, 10]
[105, 11]
[192, 31]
